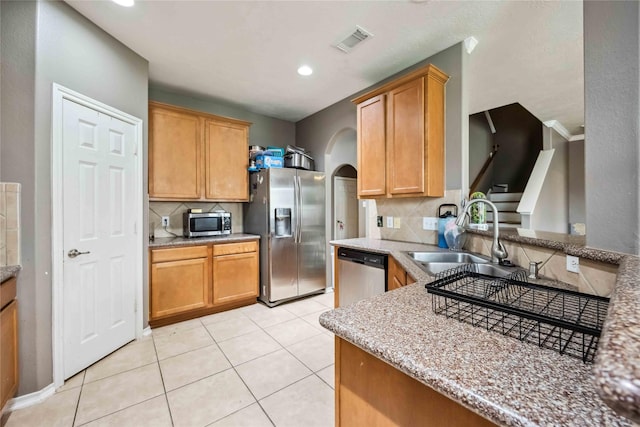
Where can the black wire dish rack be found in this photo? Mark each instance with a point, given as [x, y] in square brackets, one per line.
[565, 321]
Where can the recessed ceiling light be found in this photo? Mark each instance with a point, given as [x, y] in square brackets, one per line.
[125, 3]
[305, 70]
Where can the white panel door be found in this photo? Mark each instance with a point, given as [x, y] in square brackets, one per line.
[345, 208]
[99, 188]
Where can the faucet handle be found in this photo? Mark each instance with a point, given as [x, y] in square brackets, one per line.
[533, 269]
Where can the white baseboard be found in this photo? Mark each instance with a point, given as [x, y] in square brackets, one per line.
[30, 399]
[146, 331]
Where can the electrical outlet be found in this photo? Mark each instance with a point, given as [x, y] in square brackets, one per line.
[389, 222]
[165, 221]
[379, 220]
[573, 264]
[396, 222]
[429, 223]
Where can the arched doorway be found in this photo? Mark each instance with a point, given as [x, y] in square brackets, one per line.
[345, 203]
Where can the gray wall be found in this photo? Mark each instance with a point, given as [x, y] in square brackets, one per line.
[73, 52]
[316, 131]
[576, 182]
[612, 115]
[264, 130]
[18, 165]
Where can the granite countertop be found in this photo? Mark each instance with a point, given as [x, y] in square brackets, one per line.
[9, 271]
[169, 242]
[505, 380]
[617, 364]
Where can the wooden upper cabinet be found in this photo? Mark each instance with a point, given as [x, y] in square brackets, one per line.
[404, 120]
[372, 147]
[174, 154]
[197, 156]
[405, 139]
[227, 160]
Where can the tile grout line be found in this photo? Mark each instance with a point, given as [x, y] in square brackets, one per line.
[312, 373]
[164, 387]
[241, 379]
[75, 413]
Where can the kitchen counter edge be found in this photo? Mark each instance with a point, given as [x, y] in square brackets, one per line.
[9, 271]
[617, 365]
[171, 242]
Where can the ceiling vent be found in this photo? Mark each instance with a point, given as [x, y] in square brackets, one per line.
[349, 42]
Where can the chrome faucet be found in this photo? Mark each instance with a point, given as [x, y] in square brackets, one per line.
[498, 251]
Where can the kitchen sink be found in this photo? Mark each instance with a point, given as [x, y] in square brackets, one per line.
[448, 257]
[436, 262]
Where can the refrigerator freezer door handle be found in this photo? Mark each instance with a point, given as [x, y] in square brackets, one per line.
[296, 207]
[299, 204]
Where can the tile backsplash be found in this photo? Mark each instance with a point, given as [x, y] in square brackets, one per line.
[410, 211]
[9, 223]
[174, 211]
[595, 278]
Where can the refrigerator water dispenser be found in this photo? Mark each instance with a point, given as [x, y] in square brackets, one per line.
[283, 222]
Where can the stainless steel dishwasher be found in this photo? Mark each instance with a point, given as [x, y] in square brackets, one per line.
[360, 275]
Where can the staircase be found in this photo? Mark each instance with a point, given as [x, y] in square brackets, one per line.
[507, 204]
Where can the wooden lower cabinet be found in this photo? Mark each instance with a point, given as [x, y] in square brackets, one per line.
[235, 277]
[193, 281]
[370, 392]
[8, 342]
[397, 277]
[179, 286]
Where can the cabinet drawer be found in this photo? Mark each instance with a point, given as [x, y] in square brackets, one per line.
[177, 254]
[7, 291]
[235, 248]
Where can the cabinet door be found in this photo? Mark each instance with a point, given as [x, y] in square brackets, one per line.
[372, 147]
[8, 352]
[226, 161]
[235, 277]
[175, 146]
[179, 286]
[405, 139]
[396, 275]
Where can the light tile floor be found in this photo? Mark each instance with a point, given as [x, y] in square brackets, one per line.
[253, 366]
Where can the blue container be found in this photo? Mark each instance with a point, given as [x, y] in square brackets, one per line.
[266, 162]
[444, 218]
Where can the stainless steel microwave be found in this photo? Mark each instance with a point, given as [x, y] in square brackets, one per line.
[206, 224]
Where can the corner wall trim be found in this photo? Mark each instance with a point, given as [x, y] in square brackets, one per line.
[31, 399]
[557, 126]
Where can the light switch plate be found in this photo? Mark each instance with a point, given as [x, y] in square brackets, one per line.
[389, 222]
[429, 223]
[396, 222]
[573, 264]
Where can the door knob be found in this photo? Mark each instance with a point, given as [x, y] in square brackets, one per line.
[74, 253]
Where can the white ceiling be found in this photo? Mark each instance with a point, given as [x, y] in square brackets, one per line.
[247, 52]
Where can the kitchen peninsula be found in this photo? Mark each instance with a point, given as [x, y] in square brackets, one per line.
[483, 373]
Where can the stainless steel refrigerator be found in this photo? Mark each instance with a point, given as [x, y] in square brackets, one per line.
[287, 210]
